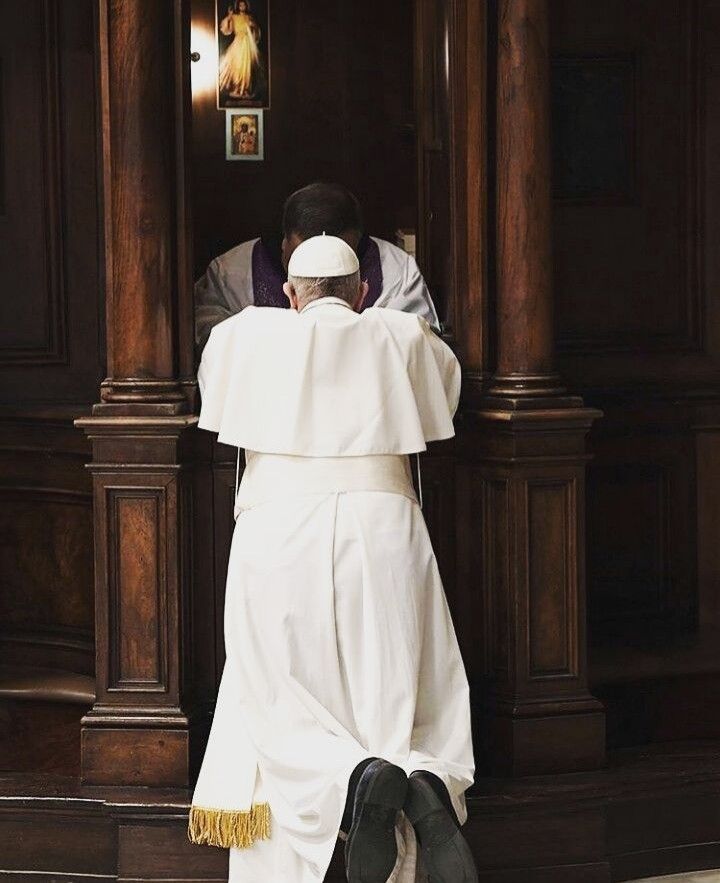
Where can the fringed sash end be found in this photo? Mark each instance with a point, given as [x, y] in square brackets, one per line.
[227, 828]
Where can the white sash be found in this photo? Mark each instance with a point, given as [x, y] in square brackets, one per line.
[272, 477]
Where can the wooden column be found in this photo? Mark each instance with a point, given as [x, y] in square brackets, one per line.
[138, 731]
[524, 266]
[532, 442]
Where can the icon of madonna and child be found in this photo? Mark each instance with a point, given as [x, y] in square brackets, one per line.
[242, 53]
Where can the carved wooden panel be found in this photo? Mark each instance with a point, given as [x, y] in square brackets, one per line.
[641, 534]
[552, 592]
[46, 547]
[51, 318]
[46, 591]
[32, 324]
[595, 129]
[627, 249]
[137, 583]
[497, 553]
[139, 615]
[628, 556]
[136, 588]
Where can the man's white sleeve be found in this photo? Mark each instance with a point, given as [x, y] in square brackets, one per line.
[224, 290]
[448, 368]
[410, 294]
[211, 302]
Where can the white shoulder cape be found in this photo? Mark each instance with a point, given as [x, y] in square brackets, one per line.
[328, 382]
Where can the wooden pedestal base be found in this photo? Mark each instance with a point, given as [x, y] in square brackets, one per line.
[137, 733]
[541, 745]
[529, 480]
[158, 757]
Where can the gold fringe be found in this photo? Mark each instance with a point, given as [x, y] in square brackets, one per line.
[227, 828]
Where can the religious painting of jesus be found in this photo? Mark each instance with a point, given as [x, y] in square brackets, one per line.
[244, 135]
[242, 42]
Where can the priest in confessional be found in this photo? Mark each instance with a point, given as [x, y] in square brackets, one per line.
[343, 708]
[254, 272]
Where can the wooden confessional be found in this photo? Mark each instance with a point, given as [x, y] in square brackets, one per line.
[557, 162]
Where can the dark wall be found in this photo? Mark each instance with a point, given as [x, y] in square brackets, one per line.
[341, 109]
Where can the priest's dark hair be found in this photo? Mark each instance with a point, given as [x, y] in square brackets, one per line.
[322, 207]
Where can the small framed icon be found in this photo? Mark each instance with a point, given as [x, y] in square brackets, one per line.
[245, 139]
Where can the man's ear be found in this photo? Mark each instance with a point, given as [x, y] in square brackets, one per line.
[290, 294]
[361, 295]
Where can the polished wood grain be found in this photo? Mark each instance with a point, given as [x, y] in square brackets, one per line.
[470, 126]
[138, 72]
[162, 851]
[524, 264]
[144, 208]
[137, 587]
[552, 508]
[133, 755]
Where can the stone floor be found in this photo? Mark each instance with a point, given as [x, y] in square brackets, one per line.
[691, 877]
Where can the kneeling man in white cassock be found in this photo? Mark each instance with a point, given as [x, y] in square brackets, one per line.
[344, 702]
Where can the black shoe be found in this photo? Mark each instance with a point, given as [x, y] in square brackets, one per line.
[371, 848]
[446, 855]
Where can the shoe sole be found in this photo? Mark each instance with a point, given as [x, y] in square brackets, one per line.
[371, 847]
[446, 854]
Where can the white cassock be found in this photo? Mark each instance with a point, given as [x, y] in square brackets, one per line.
[339, 640]
[228, 285]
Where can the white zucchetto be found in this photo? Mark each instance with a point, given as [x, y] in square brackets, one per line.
[322, 257]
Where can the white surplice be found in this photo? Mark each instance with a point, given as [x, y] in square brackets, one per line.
[339, 640]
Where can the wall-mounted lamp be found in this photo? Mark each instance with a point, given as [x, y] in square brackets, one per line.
[204, 57]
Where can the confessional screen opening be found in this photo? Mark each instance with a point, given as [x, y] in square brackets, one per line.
[289, 93]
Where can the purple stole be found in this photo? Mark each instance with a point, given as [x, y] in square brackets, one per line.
[268, 274]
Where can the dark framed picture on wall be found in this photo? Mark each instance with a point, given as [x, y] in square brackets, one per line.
[242, 28]
[244, 135]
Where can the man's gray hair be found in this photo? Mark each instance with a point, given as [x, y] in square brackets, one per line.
[309, 289]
